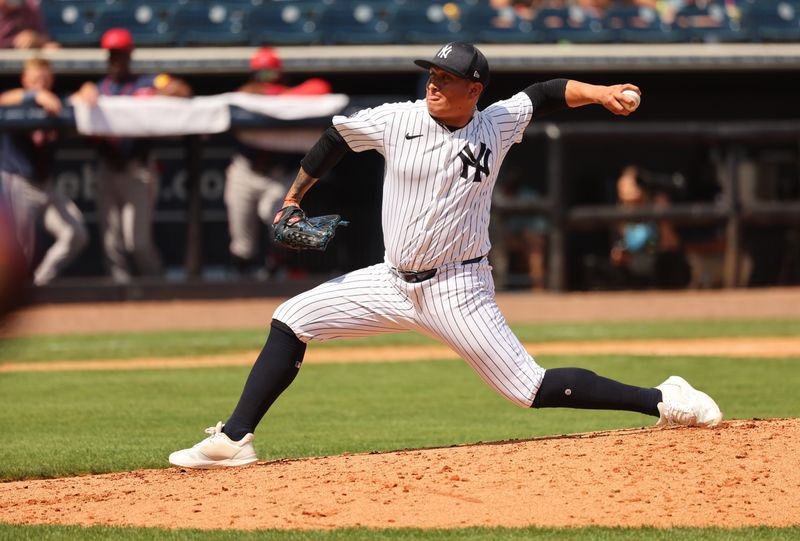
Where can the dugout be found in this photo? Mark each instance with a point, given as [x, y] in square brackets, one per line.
[733, 105]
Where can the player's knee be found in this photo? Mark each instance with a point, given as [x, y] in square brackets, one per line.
[280, 326]
[287, 320]
[282, 313]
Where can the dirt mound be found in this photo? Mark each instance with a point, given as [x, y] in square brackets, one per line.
[742, 473]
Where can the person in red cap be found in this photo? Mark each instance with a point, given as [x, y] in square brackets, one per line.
[127, 178]
[257, 179]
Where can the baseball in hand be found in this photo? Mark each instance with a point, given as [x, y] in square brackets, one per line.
[637, 99]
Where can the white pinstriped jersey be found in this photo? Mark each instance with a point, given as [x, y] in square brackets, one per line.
[437, 183]
[436, 197]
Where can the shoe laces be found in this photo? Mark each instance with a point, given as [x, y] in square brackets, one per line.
[214, 431]
[679, 414]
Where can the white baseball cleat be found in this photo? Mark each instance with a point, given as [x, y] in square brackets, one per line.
[682, 404]
[216, 451]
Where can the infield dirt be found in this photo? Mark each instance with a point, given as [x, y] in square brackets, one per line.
[738, 474]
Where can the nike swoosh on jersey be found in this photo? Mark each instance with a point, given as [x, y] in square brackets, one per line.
[409, 136]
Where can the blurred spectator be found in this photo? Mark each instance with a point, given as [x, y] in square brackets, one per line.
[26, 168]
[595, 9]
[647, 253]
[127, 177]
[257, 179]
[22, 26]
[524, 9]
[666, 10]
[519, 240]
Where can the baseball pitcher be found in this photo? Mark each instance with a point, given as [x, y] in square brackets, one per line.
[442, 159]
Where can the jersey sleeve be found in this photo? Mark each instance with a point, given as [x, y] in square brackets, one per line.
[365, 129]
[511, 117]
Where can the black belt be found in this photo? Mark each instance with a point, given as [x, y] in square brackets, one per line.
[421, 276]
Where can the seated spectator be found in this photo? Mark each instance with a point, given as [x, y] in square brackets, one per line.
[595, 9]
[26, 168]
[22, 26]
[524, 9]
[648, 253]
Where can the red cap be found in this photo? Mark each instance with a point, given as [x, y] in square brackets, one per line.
[117, 38]
[265, 58]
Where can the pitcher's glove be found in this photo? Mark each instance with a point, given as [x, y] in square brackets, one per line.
[294, 230]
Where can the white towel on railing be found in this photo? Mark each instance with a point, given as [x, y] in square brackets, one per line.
[128, 116]
[151, 116]
[289, 107]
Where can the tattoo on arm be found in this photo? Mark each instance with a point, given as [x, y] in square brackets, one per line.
[300, 186]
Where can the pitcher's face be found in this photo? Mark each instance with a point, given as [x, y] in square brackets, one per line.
[449, 96]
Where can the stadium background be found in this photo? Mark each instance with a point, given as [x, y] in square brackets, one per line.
[695, 80]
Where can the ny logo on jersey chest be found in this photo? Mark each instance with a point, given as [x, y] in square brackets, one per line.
[479, 162]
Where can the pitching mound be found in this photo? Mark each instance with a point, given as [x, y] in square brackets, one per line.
[742, 473]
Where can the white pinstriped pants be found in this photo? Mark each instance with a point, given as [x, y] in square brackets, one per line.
[457, 307]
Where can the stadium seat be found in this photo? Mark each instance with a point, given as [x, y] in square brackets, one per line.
[570, 25]
[773, 21]
[73, 24]
[641, 25]
[709, 23]
[285, 23]
[249, 4]
[493, 26]
[96, 5]
[212, 24]
[357, 23]
[150, 25]
[432, 23]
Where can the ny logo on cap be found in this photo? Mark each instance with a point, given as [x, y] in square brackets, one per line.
[444, 51]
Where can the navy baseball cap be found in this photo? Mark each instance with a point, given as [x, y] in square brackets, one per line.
[461, 59]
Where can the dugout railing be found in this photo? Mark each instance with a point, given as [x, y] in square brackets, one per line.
[563, 218]
[731, 209]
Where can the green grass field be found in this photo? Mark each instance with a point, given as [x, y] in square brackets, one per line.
[66, 423]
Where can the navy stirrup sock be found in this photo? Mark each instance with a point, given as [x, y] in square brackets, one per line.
[579, 388]
[274, 370]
